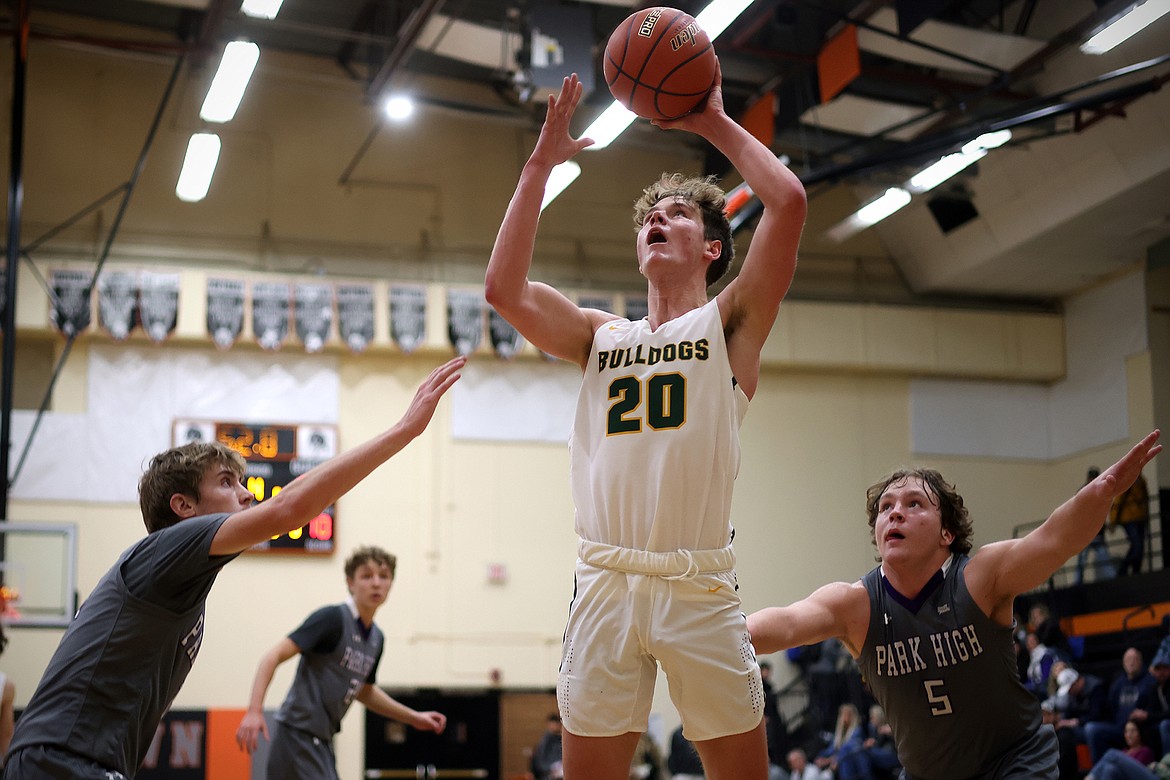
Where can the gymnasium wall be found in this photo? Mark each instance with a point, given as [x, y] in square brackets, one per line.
[820, 429]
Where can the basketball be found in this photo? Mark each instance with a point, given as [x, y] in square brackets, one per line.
[659, 63]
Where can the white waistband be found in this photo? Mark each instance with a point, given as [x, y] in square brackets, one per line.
[682, 564]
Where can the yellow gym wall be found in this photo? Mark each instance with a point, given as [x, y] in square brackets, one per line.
[813, 440]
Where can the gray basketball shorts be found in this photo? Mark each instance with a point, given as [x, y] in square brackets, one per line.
[298, 755]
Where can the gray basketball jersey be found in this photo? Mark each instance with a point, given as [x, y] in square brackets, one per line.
[327, 681]
[946, 676]
[126, 654]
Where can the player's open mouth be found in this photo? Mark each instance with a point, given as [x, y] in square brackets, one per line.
[655, 236]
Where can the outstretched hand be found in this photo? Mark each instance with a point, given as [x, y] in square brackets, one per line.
[1119, 477]
[556, 144]
[426, 398]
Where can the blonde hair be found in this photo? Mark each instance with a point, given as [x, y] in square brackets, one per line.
[705, 195]
[845, 729]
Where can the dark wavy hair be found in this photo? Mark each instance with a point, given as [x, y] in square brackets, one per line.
[940, 492]
[703, 193]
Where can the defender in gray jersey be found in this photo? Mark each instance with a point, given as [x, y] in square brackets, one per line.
[655, 447]
[931, 628]
[127, 652]
[340, 648]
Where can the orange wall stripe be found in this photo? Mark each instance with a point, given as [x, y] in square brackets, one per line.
[1113, 621]
[224, 758]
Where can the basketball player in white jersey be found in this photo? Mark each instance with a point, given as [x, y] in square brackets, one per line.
[655, 449]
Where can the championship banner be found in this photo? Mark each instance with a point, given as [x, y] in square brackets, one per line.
[225, 311]
[637, 307]
[355, 315]
[408, 317]
[118, 303]
[270, 312]
[71, 306]
[314, 314]
[506, 340]
[158, 304]
[596, 301]
[465, 319]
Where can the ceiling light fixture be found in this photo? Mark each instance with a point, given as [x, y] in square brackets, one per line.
[875, 211]
[227, 88]
[1136, 19]
[971, 152]
[562, 176]
[398, 107]
[936, 173]
[887, 203]
[261, 9]
[612, 123]
[925, 180]
[198, 167]
[718, 15]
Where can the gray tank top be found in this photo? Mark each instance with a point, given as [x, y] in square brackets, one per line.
[126, 654]
[945, 674]
[327, 680]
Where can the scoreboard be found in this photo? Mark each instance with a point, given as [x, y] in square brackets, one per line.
[275, 454]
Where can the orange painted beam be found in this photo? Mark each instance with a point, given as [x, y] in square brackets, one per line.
[1114, 620]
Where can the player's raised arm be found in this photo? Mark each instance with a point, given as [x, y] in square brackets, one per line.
[542, 314]
[839, 610]
[312, 492]
[754, 296]
[1005, 569]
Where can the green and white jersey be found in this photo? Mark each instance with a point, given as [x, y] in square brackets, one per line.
[655, 445]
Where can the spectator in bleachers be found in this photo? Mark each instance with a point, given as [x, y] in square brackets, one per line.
[1127, 689]
[1132, 762]
[1079, 699]
[844, 758]
[879, 746]
[1046, 626]
[1131, 510]
[1153, 710]
[683, 761]
[1040, 660]
[546, 761]
[775, 730]
[799, 767]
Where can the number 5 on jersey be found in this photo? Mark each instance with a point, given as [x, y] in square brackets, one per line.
[940, 703]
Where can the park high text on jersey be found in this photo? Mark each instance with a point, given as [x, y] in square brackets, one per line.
[947, 648]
